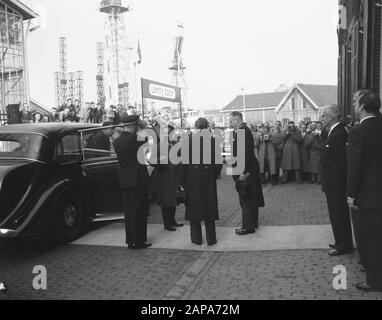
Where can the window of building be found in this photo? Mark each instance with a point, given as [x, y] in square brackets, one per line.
[293, 104]
[304, 104]
[12, 82]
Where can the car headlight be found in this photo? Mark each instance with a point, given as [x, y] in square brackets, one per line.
[5, 232]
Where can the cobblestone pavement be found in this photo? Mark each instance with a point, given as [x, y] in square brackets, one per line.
[286, 205]
[99, 272]
[82, 272]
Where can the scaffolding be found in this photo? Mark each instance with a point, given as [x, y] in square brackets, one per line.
[63, 71]
[117, 52]
[12, 58]
[57, 88]
[80, 87]
[100, 73]
[177, 69]
[72, 85]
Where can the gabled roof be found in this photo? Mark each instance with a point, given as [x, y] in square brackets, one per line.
[256, 101]
[23, 9]
[318, 95]
[38, 107]
[322, 95]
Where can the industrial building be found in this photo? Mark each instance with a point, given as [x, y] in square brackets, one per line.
[14, 86]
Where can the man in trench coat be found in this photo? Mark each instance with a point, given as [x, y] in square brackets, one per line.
[291, 160]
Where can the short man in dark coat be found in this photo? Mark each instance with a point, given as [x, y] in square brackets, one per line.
[199, 180]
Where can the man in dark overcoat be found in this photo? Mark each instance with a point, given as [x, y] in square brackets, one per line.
[199, 181]
[365, 183]
[254, 200]
[334, 170]
[134, 181]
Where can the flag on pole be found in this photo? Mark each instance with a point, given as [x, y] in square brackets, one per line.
[139, 53]
[180, 25]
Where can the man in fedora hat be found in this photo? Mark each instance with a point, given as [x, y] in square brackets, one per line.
[134, 181]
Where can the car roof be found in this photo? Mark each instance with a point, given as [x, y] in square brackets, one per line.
[50, 130]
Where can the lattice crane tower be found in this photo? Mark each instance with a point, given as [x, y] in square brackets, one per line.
[117, 53]
[177, 67]
[63, 71]
[100, 78]
[80, 86]
[72, 85]
[57, 85]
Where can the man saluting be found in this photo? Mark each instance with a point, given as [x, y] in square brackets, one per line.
[134, 181]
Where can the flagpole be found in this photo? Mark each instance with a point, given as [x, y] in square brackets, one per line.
[143, 104]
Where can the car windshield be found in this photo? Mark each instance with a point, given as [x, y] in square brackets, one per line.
[22, 146]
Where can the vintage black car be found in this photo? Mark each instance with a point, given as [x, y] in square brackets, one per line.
[55, 178]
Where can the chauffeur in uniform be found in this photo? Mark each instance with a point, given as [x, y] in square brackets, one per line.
[365, 183]
[134, 181]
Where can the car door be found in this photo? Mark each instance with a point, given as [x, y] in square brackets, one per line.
[101, 171]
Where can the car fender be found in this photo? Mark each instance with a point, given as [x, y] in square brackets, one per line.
[43, 208]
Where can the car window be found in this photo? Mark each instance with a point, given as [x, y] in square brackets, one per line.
[23, 146]
[69, 149]
[98, 143]
[9, 146]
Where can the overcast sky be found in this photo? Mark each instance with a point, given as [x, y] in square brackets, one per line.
[229, 45]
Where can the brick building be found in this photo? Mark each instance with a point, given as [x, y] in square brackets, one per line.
[359, 37]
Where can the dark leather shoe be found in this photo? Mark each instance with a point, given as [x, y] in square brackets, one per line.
[172, 229]
[244, 232]
[139, 246]
[197, 243]
[363, 286]
[335, 252]
[178, 225]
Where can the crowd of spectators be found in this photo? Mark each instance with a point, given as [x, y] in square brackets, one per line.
[295, 149]
[72, 111]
